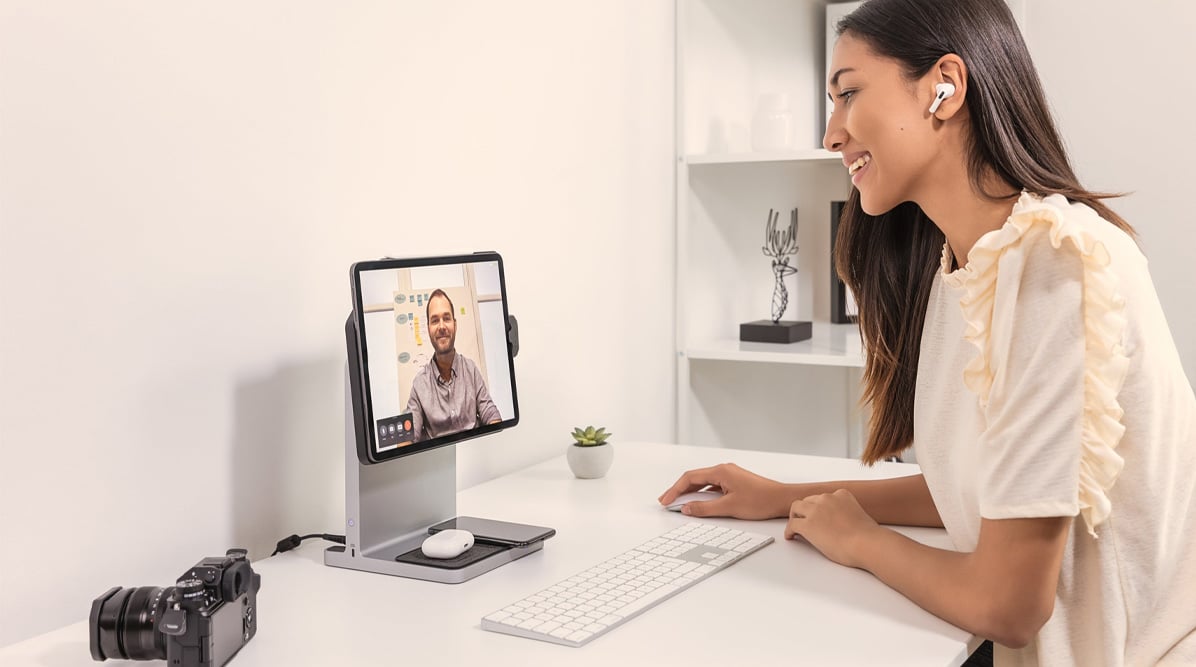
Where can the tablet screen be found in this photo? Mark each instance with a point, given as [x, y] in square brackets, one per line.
[434, 360]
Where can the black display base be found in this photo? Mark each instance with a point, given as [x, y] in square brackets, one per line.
[477, 552]
[766, 331]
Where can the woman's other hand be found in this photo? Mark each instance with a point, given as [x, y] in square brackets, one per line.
[834, 523]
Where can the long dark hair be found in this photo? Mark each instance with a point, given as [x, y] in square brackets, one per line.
[889, 261]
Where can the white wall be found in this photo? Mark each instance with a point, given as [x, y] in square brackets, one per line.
[1118, 76]
[182, 189]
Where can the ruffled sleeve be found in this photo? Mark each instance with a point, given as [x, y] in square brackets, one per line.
[1049, 324]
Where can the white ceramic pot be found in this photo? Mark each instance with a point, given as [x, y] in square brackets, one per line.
[772, 125]
[590, 462]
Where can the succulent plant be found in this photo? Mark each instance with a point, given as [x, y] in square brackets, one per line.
[589, 437]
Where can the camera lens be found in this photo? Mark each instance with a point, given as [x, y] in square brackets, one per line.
[122, 624]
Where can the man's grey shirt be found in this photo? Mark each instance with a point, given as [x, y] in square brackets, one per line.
[440, 408]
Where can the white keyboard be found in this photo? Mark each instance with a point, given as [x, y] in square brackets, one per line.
[591, 603]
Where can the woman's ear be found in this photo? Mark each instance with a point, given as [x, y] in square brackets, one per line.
[948, 87]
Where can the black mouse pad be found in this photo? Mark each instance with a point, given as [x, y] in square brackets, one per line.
[476, 553]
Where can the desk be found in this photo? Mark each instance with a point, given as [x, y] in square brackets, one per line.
[784, 604]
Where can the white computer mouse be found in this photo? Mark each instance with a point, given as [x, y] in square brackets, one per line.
[680, 501]
[447, 543]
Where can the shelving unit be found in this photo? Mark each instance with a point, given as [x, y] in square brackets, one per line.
[756, 395]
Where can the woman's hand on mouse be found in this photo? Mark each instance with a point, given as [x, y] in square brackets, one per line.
[746, 495]
[834, 523]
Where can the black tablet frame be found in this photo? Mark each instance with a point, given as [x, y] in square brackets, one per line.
[358, 357]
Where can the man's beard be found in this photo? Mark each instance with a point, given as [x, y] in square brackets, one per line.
[452, 345]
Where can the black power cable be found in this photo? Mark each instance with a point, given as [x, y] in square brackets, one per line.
[288, 543]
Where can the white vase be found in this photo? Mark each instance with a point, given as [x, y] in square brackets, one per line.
[590, 462]
[772, 125]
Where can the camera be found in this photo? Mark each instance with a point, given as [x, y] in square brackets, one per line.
[201, 621]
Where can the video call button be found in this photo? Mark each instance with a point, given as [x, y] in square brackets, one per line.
[396, 431]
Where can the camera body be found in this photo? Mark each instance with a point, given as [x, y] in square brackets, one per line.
[201, 621]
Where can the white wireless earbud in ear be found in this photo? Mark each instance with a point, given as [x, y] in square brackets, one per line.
[941, 92]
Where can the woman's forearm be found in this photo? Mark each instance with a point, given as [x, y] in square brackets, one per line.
[901, 501]
[1005, 590]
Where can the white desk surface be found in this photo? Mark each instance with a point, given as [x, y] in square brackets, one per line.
[784, 604]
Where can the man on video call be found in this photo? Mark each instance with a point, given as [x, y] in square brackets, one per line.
[449, 395]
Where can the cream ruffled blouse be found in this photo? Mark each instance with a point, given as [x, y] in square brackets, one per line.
[1104, 327]
[1049, 385]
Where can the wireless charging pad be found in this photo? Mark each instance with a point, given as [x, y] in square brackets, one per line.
[477, 552]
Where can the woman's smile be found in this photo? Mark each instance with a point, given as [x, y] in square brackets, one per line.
[857, 166]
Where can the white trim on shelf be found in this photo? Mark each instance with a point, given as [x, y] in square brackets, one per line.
[831, 345]
[807, 155]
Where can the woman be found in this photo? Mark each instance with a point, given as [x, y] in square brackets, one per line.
[1016, 342]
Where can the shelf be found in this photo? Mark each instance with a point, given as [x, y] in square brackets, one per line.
[730, 56]
[807, 155]
[831, 345]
